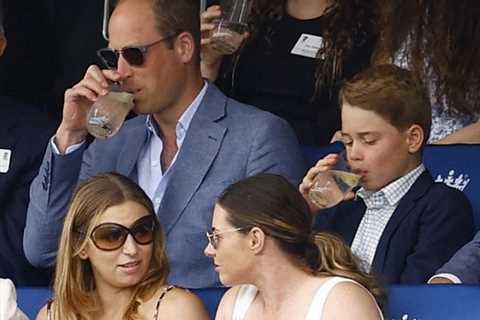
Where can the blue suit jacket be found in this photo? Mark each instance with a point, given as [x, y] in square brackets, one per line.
[465, 264]
[24, 131]
[226, 141]
[430, 223]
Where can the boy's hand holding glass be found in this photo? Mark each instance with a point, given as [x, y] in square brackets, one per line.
[329, 182]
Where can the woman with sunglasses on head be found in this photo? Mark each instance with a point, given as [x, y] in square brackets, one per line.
[111, 262]
[293, 57]
[262, 244]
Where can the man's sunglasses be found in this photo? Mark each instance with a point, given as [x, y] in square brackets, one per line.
[112, 236]
[135, 56]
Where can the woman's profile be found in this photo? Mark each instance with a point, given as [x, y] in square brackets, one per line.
[263, 245]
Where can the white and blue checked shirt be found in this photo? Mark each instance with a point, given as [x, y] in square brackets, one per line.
[380, 207]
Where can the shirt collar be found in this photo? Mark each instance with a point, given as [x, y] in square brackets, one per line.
[185, 119]
[392, 193]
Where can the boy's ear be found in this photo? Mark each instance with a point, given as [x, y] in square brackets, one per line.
[415, 136]
[185, 46]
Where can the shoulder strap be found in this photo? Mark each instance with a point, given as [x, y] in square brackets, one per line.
[315, 310]
[49, 309]
[245, 296]
[164, 292]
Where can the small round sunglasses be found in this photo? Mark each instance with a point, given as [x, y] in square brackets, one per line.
[112, 236]
[134, 55]
[213, 236]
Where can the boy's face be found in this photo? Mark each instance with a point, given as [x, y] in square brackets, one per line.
[377, 150]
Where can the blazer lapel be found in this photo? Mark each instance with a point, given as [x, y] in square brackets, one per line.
[196, 156]
[130, 151]
[404, 208]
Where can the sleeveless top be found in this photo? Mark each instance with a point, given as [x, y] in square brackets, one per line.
[155, 315]
[247, 293]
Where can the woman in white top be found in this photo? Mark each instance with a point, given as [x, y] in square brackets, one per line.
[112, 263]
[263, 245]
[8, 302]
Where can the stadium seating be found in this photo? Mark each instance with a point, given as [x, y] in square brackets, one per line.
[433, 302]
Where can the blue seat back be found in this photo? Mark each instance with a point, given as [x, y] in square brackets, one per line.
[211, 298]
[436, 302]
[31, 300]
[456, 165]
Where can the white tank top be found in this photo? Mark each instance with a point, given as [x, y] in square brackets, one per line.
[247, 293]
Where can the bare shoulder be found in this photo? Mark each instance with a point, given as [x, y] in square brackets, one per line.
[42, 314]
[178, 303]
[360, 302]
[225, 307]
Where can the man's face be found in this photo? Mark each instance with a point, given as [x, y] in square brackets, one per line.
[157, 83]
[376, 150]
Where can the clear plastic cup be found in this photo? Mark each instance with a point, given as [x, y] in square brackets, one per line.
[228, 35]
[109, 112]
[330, 187]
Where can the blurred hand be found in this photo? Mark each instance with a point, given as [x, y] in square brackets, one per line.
[211, 55]
[441, 280]
[77, 103]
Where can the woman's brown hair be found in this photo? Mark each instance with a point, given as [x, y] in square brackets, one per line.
[74, 286]
[274, 205]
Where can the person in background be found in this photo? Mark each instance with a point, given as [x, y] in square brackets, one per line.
[8, 302]
[401, 224]
[295, 55]
[24, 133]
[437, 40]
[263, 245]
[112, 262]
[463, 267]
[186, 145]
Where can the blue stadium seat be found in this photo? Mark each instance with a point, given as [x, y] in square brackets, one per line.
[30, 300]
[211, 298]
[435, 302]
[456, 165]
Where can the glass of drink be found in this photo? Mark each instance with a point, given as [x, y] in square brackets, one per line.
[330, 187]
[108, 113]
[228, 35]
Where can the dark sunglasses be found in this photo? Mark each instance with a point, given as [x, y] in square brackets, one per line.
[111, 236]
[135, 56]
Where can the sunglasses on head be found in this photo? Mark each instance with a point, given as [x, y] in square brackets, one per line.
[134, 55]
[112, 236]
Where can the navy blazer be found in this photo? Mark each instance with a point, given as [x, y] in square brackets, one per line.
[25, 132]
[226, 141]
[431, 222]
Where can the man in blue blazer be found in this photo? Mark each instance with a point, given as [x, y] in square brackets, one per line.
[188, 143]
[401, 224]
[463, 267]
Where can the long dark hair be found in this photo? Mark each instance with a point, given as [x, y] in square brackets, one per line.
[349, 24]
[442, 38]
[274, 205]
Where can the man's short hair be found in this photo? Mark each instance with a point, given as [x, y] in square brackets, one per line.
[391, 92]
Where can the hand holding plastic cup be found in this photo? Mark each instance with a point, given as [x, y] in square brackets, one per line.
[109, 112]
[229, 33]
[330, 187]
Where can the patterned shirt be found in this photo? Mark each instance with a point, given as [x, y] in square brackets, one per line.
[380, 207]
